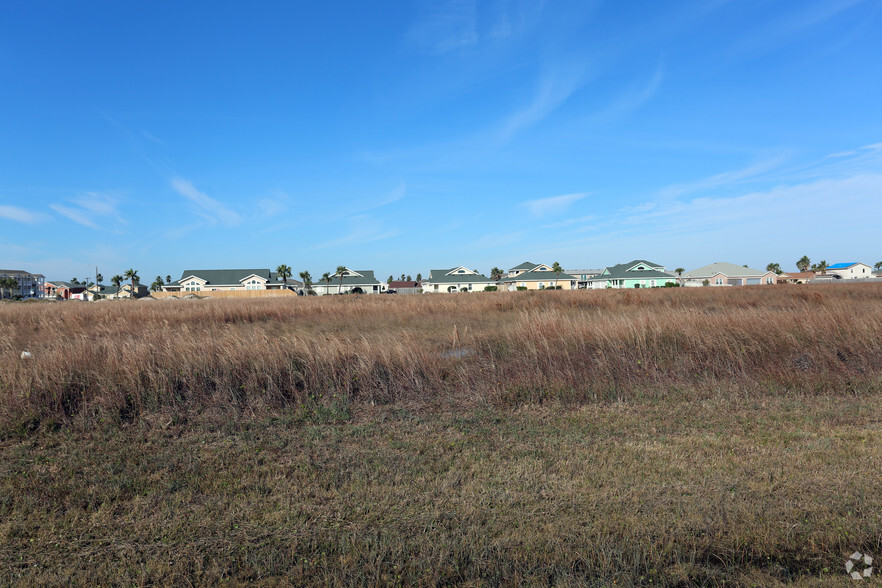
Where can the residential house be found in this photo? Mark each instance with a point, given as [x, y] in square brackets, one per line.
[405, 287]
[28, 285]
[582, 276]
[351, 282]
[722, 273]
[60, 289]
[851, 271]
[537, 277]
[229, 279]
[634, 274]
[457, 279]
[795, 277]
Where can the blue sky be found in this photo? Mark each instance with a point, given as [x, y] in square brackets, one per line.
[407, 136]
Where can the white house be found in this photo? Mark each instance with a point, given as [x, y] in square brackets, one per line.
[722, 273]
[851, 271]
[457, 279]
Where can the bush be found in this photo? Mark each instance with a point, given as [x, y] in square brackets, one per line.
[521, 288]
[490, 288]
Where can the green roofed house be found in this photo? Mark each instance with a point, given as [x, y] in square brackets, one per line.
[228, 279]
[722, 273]
[351, 282]
[458, 279]
[538, 277]
[634, 274]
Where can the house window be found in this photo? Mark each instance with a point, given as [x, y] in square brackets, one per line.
[769, 280]
[652, 283]
[718, 281]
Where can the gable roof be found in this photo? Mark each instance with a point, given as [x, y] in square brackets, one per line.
[729, 270]
[836, 266]
[444, 276]
[627, 271]
[354, 278]
[527, 265]
[223, 277]
[537, 275]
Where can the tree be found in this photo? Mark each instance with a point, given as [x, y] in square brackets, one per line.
[168, 279]
[74, 282]
[99, 278]
[402, 277]
[389, 281]
[420, 276]
[326, 278]
[555, 267]
[7, 283]
[774, 267]
[804, 263]
[116, 281]
[409, 279]
[132, 274]
[878, 266]
[284, 272]
[341, 269]
[307, 280]
[157, 284]
[820, 267]
[496, 274]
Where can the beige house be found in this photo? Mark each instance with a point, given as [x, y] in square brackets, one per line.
[722, 273]
[538, 277]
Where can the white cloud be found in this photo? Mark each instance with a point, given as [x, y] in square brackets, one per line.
[723, 179]
[206, 206]
[21, 215]
[362, 229]
[553, 205]
[445, 26]
[554, 88]
[93, 210]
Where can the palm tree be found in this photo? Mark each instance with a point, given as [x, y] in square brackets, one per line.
[7, 283]
[420, 277]
[774, 267]
[878, 266]
[284, 272]
[156, 286]
[804, 263]
[168, 279]
[307, 280]
[555, 267]
[116, 281]
[132, 274]
[820, 267]
[389, 281]
[99, 278]
[74, 282]
[496, 274]
[341, 269]
[326, 278]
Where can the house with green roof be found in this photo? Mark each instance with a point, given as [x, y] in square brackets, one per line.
[634, 274]
[228, 279]
[537, 277]
[457, 279]
[722, 273]
[350, 282]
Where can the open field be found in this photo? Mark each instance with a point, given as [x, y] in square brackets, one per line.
[658, 437]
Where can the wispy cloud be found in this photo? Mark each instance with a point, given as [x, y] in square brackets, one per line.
[723, 179]
[553, 89]
[93, 210]
[632, 98]
[361, 229]
[21, 215]
[553, 205]
[446, 26]
[205, 206]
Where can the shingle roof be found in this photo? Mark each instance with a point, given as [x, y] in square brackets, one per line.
[524, 266]
[538, 276]
[439, 276]
[730, 270]
[621, 272]
[223, 277]
[366, 278]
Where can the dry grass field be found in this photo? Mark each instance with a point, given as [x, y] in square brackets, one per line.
[654, 437]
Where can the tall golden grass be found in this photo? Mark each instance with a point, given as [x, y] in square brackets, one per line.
[121, 359]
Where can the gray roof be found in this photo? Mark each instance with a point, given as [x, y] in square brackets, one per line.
[538, 276]
[366, 278]
[524, 266]
[623, 271]
[729, 270]
[224, 277]
[439, 276]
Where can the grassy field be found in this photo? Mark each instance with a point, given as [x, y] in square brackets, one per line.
[659, 437]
